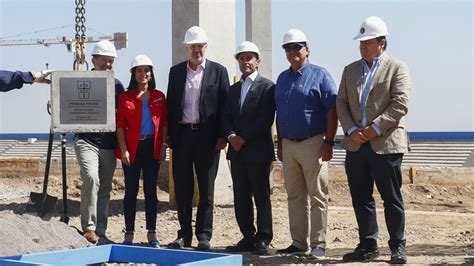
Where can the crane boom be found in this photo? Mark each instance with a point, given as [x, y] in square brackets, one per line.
[120, 40]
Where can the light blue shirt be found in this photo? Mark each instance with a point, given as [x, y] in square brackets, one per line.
[367, 78]
[147, 127]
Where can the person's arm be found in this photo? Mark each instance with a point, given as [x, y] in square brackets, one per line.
[329, 98]
[171, 100]
[121, 125]
[222, 95]
[343, 108]
[227, 121]
[280, 144]
[164, 128]
[10, 80]
[331, 128]
[345, 116]
[123, 146]
[164, 145]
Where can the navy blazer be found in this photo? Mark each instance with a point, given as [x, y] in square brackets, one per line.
[214, 87]
[253, 123]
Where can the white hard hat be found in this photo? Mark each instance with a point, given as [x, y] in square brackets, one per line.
[141, 60]
[294, 35]
[371, 27]
[195, 34]
[247, 47]
[104, 47]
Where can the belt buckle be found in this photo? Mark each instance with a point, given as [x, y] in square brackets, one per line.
[145, 137]
[194, 126]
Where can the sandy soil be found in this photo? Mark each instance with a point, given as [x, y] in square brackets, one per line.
[439, 222]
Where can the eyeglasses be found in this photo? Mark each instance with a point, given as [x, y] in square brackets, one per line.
[293, 47]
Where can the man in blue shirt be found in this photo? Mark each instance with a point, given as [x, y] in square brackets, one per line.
[10, 80]
[305, 96]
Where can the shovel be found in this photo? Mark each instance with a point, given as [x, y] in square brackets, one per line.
[42, 203]
[64, 217]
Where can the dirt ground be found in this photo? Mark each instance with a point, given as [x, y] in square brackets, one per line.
[439, 221]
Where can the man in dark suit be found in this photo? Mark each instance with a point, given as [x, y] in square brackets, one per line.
[197, 89]
[248, 119]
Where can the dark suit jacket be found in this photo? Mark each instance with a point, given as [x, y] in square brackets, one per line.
[253, 123]
[214, 87]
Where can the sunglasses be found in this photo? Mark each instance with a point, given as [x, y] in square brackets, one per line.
[293, 47]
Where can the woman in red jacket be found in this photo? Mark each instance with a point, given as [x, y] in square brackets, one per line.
[142, 126]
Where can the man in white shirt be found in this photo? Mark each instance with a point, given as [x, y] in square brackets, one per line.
[248, 119]
[197, 89]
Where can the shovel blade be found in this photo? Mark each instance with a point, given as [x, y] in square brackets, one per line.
[42, 205]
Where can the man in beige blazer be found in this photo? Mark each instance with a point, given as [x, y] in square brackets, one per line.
[371, 104]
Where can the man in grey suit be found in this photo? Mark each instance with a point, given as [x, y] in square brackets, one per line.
[248, 119]
[372, 103]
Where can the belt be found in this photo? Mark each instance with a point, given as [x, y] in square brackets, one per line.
[192, 126]
[305, 138]
[147, 136]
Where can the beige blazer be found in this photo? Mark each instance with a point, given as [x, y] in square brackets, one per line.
[386, 106]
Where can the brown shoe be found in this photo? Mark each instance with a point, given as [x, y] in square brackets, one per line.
[91, 236]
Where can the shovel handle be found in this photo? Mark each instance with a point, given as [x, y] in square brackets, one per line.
[63, 165]
[46, 174]
[48, 163]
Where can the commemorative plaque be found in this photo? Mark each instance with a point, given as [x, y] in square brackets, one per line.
[82, 101]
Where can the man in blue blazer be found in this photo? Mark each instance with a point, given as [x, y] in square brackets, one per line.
[248, 119]
[197, 89]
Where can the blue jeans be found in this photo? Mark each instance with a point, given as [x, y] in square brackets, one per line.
[144, 161]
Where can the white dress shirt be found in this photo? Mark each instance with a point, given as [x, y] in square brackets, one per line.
[192, 91]
[246, 84]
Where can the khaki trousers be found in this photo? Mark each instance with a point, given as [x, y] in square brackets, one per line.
[306, 182]
[97, 170]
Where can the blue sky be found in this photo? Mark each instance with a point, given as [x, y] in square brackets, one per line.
[435, 39]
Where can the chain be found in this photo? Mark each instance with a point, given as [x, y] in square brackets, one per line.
[80, 36]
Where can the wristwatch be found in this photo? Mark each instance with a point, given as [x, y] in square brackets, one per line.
[329, 142]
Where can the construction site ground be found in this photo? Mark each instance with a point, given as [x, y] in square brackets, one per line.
[439, 222]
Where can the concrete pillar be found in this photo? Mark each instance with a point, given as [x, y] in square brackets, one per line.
[217, 18]
[258, 29]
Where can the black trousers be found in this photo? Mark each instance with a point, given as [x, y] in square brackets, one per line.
[252, 179]
[193, 149]
[144, 161]
[363, 168]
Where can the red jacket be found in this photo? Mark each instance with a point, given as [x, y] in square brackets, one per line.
[129, 117]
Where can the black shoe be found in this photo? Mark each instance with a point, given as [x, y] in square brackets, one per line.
[243, 245]
[362, 253]
[179, 243]
[203, 245]
[398, 255]
[291, 250]
[261, 248]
